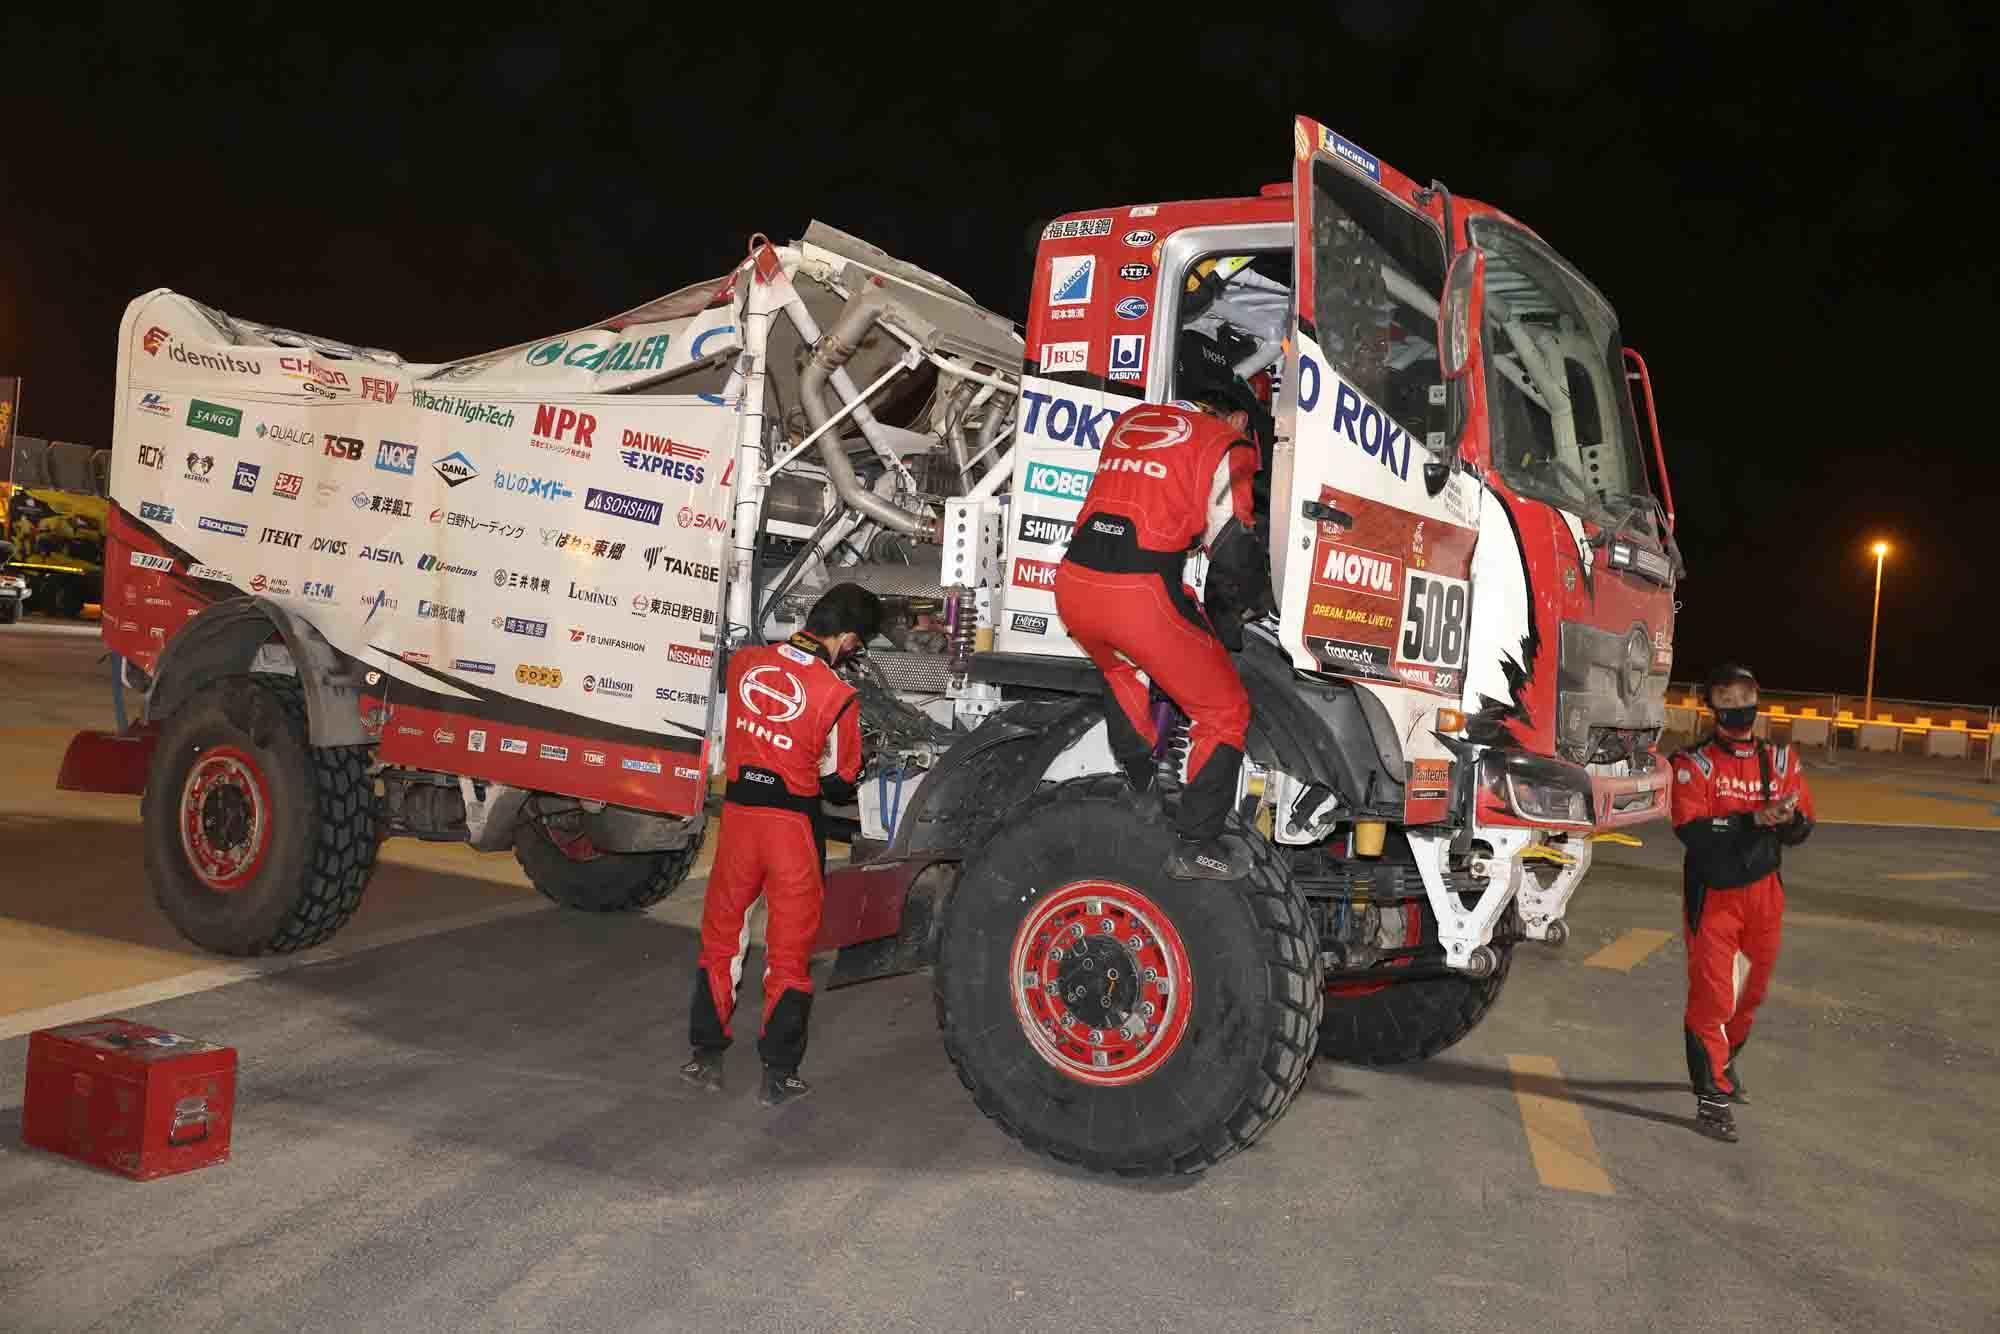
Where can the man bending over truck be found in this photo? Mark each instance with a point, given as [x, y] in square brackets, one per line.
[1171, 476]
[793, 736]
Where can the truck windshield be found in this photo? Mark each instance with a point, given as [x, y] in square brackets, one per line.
[1561, 420]
[1378, 275]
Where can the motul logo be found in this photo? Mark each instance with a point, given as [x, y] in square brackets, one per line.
[1362, 571]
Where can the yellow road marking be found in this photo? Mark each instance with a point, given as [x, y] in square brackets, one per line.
[1625, 952]
[1932, 875]
[1558, 1137]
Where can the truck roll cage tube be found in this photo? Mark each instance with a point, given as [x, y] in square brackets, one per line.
[828, 362]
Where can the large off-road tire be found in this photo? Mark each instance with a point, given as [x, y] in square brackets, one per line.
[68, 599]
[257, 842]
[1231, 972]
[1399, 1022]
[591, 881]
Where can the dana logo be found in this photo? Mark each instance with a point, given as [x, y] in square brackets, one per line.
[1031, 625]
[622, 506]
[1059, 357]
[563, 430]
[629, 354]
[384, 555]
[1046, 479]
[287, 485]
[246, 477]
[1071, 278]
[394, 456]
[228, 527]
[1034, 573]
[520, 483]
[156, 404]
[1362, 571]
[1132, 308]
[687, 655]
[156, 513]
[1045, 530]
[214, 417]
[455, 468]
[1066, 420]
[1128, 357]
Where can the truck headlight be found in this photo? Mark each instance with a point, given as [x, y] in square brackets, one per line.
[1547, 801]
[1539, 787]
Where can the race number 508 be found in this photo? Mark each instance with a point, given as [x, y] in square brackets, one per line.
[1434, 622]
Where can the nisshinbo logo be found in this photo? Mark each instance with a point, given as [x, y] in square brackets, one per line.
[1045, 479]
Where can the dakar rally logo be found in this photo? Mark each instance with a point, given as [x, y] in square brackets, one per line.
[773, 694]
[1154, 430]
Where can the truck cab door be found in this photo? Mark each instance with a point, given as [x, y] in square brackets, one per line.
[1371, 551]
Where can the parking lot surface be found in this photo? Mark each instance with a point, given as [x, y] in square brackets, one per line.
[462, 1113]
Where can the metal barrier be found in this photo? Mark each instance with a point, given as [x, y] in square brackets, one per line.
[1829, 720]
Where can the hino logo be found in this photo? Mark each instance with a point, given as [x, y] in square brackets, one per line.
[1149, 430]
[1157, 471]
[772, 693]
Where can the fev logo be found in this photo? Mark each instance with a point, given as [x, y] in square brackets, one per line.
[1046, 479]
[1071, 278]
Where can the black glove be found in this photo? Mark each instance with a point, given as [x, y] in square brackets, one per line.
[1238, 588]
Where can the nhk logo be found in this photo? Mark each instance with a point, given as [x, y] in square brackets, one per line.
[1045, 479]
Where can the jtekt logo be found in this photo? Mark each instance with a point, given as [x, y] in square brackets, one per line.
[278, 537]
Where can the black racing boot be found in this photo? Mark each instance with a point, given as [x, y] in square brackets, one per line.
[1224, 857]
[1713, 1118]
[1737, 1093]
[704, 1070]
[780, 1087]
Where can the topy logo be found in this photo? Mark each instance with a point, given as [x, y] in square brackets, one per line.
[772, 693]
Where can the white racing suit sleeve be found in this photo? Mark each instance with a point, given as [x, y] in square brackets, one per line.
[1221, 509]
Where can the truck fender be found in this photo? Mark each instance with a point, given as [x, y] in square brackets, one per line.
[224, 639]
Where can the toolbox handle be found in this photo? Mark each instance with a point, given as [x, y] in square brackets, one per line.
[174, 1139]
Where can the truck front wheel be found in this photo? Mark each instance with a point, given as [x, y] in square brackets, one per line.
[563, 865]
[257, 842]
[1108, 1015]
[1393, 1023]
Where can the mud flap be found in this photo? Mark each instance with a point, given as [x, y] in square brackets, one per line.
[917, 891]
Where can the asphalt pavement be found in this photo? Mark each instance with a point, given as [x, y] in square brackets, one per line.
[462, 1114]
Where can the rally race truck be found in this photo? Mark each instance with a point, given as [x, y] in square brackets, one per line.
[490, 600]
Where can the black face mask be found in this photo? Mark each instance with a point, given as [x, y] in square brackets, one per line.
[1737, 720]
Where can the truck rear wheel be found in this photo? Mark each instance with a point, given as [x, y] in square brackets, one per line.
[257, 842]
[1108, 1015]
[567, 870]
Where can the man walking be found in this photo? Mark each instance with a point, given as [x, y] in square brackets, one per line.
[793, 735]
[1737, 803]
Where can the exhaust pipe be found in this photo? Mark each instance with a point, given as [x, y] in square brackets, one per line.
[831, 353]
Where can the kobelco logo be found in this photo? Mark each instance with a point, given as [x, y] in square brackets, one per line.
[1152, 430]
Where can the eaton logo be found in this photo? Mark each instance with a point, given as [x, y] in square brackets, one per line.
[1071, 278]
[156, 513]
[1045, 479]
[246, 477]
[393, 456]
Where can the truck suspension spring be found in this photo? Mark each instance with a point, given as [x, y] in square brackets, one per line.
[1170, 755]
[962, 623]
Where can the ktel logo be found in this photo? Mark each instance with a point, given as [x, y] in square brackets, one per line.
[774, 695]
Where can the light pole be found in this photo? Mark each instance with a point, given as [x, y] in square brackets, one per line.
[1880, 549]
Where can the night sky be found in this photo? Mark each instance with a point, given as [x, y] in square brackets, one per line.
[1791, 210]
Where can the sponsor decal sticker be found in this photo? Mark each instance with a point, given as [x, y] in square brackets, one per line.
[287, 485]
[529, 583]
[473, 665]
[512, 745]
[429, 563]
[1139, 237]
[1034, 573]
[1031, 625]
[562, 430]
[520, 625]
[199, 466]
[629, 354]
[209, 572]
[1058, 357]
[384, 555]
[152, 456]
[1353, 155]
[1132, 308]
[1045, 530]
[378, 391]
[214, 417]
[1128, 357]
[622, 506]
[455, 468]
[691, 656]
[246, 477]
[1046, 479]
[607, 685]
[394, 456]
[527, 484]
[662, 456]
[578, 635]
[475, 740]
[1135, 273]
[1071, 278]
[226, 526]
[657, 556]
[465, 409]
[594, 758]
[1071, 228]
[640, 766]
[156, 513]
[157, 404]
[147, 561]
[428, 610]
[534, 674]
[1067, 421]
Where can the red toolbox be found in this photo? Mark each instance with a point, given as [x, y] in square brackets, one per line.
[136, 1099]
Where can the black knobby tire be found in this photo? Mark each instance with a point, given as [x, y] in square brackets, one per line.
[607, 882]
[1409, 1021]
[69, 599]
[321, 842]
[1250, 950]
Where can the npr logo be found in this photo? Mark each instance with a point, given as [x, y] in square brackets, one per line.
[556, 424]
[381, 391]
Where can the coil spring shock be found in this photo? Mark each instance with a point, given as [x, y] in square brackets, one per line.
[1170, 753]
[961, 621]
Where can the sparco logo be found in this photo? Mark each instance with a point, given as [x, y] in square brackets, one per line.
[690, 656]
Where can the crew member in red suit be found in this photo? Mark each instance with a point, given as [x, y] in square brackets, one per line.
[1171, 477]
[793, 735]
[1738, 803]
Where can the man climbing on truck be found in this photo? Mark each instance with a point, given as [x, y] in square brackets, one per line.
[793, 736]
[1172, 475]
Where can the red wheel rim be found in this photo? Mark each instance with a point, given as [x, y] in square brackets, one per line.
[225, 818]
[1101, 982]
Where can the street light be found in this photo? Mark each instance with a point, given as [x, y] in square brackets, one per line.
[1880, 549]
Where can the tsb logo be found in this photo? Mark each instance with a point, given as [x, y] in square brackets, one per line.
[343, 447]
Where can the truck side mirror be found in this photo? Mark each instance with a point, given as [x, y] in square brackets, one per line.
[1459, 314]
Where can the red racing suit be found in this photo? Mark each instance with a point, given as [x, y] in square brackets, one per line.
[1734, 901]
[1170, 476]
[793, 732]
